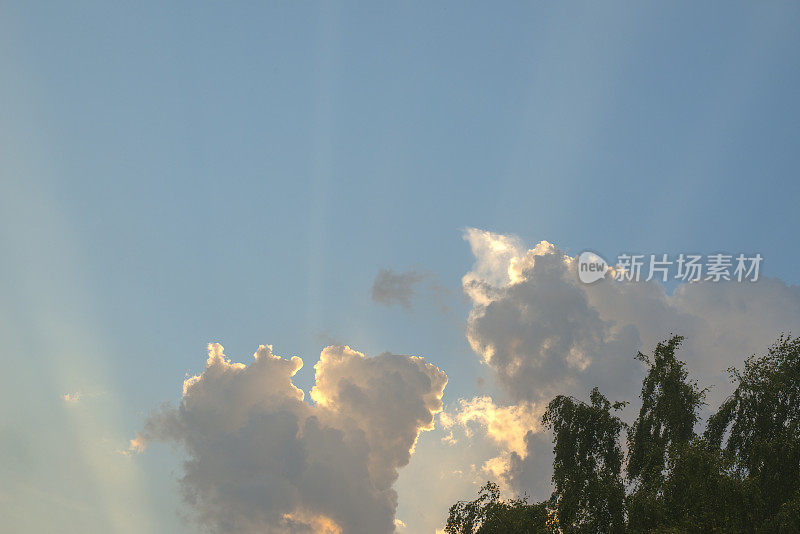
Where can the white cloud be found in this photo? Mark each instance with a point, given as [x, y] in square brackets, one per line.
[262, 459]
[506, 425]
[533, 323]
[516, 432]
[545, 333]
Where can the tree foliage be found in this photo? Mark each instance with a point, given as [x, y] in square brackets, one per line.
[660, 434]
[669, 411]
[762, 419]
[488, 514]
[741, 475]
[589, 492]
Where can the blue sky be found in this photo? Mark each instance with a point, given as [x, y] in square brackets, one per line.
[172, 175]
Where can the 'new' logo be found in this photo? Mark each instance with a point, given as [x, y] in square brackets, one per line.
[591, 267]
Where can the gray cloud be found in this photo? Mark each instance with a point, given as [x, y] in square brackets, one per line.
[262, 459]
[544, 333]
[391, 287]
[534, 325]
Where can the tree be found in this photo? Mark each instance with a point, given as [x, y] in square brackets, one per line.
[762, 419]
[741, 475]
[700, 494]
[589, 493]
[488, 514]
[661, 432]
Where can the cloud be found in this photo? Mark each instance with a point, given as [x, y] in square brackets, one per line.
[391, 287]
[506, 425]
[138, 444]
[72, 398]
[533, 324]
[544, 333]
[78, 396]
[262, 459]
[516, 430]
[449, 439]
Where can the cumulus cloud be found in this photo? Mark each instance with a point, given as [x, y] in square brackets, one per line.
[533, 324]
[506, 425]
[545, 333]
[263, 459]
[516, 430]
[391, 287]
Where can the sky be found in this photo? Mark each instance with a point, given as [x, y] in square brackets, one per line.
[359, 186]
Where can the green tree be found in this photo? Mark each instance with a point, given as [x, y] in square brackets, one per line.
[701, 495]
[762, 422]
[679, 482]
[488, 514]
[787, 520]
[661, 432]
[589, 492]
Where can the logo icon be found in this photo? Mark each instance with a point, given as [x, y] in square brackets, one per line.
[591, 267]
